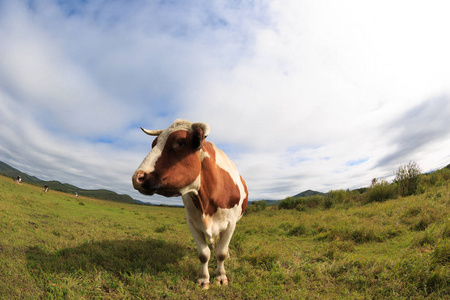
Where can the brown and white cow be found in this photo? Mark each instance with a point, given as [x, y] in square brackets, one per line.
[182, 163]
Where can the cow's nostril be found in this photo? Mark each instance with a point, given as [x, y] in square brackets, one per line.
[140, 176]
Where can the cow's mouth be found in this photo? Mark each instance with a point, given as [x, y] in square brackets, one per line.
[147, 192]
[168, 192]
[160, 191]
[145, 188]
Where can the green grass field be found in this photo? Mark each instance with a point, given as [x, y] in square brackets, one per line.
[56, 246]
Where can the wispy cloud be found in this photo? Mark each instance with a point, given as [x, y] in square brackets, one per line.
[421, 127]
[300, 95]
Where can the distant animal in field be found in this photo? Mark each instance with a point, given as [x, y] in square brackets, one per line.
[45, 188]
[182, 163]
[19, 179]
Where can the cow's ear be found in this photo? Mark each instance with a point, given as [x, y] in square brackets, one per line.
[155, 141]
[201, 131]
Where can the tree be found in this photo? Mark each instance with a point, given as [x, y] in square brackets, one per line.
[407, 178]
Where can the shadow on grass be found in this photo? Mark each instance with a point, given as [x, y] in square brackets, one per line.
[115, 257]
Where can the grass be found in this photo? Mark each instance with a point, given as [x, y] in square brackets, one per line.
[56, 246]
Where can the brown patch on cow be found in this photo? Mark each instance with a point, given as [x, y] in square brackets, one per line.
[218, 189]
[245, 201]
[221, 257]
[179, 164]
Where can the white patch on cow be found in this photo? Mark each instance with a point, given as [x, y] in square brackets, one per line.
[193, 215]
[210, 226]
[203, 154]
[220, 220]
[194, 187]
[148, 164]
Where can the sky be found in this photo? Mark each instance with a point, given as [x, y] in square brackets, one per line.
[301, 95]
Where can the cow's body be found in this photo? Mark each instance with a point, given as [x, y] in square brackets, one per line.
[214, 194]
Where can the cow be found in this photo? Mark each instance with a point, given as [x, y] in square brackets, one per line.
[215, 196]
[45, 188]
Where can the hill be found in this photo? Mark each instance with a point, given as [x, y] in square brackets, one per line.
[304, 194]
[9, 171]
[308, 193]
[56, 246]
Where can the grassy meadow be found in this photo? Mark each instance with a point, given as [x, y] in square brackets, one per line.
[56, 246]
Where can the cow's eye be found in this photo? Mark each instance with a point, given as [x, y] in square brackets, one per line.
[180, 143]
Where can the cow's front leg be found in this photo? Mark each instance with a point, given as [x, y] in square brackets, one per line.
[222, 254]
[204, 255]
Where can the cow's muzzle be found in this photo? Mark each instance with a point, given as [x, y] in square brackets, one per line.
[145, 182]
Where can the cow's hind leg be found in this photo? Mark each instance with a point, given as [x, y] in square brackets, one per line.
[203, 254]
[222, 253]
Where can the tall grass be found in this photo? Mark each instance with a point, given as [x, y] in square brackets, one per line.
[51, 247]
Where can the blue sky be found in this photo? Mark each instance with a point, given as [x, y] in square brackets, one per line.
[301, 95]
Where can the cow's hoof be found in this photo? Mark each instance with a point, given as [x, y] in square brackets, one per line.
[222, 281]
[204, 284]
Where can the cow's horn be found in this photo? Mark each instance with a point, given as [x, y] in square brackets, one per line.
[152, 132]
[204, 127]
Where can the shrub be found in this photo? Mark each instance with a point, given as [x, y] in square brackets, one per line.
[300, 207]
[256, 206]
[328, 203]
[380, 191]
[337, 196]
[407, 178]
[289, 203]
[302, 203]
[439, 177]
[313, 201]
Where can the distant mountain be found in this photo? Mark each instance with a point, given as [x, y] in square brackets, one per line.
[9, 171]
[151, 204]
[308, 193]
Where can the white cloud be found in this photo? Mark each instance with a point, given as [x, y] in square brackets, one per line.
[293, 91]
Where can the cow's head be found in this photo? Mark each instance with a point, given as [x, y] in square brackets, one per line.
[173, 166]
